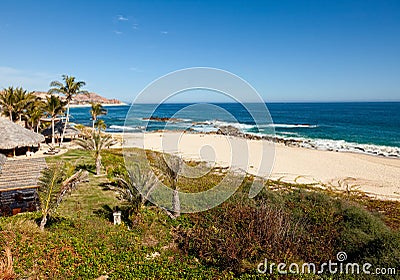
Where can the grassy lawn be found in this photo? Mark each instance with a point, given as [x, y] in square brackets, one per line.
[283, 223]
[91, 196]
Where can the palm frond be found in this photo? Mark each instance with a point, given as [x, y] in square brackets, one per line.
[49, 186]
[55, 182]
[137, 185]
[56, 84]
[6, 266]
[70, 184]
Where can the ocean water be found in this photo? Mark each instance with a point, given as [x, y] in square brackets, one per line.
[366, 127]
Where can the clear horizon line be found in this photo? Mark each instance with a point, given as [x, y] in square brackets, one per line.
[274, 101]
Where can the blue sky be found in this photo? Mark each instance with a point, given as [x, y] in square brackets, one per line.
[288, 50]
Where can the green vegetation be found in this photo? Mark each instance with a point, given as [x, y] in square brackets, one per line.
[284, 223]
[69, 89]
[96, 110]
[53, 107]
[95, 143]
[16, 102]
[19, 105]
[170, 167]
[57, 181]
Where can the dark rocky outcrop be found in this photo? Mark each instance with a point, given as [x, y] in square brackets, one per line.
[162, 119]
[230, 131]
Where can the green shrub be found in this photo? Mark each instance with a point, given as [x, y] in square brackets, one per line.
[296, 225]
[236, 236]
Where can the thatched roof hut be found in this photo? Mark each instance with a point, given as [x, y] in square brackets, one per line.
[58, 130]
[13, 136]
[18, 185]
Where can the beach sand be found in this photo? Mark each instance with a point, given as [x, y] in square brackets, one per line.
[376, 176]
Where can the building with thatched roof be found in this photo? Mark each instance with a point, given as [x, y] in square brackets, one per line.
[14, 136]
[18, 185]
[70, 132]
[18, 178]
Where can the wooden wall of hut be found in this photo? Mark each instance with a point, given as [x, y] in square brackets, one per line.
[18, 201]
[19, 151]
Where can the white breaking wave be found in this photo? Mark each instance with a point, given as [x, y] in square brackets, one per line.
[321, 144]
[124, 128]
[289, 133]
[344, 146]
[291, 138]
[241, 126]
[205, 129]
[281, 125]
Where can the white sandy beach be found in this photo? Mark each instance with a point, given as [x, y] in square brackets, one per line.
[375, 175]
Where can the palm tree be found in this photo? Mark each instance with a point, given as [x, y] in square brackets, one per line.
[69, 89]
[96, 143]
[100, 125]
[97, 110]
[34, 112]
[54, 107]
[22, 99]
[171, 165]
[15, 102]
[136, 185]
[7, 101]
[55, 182]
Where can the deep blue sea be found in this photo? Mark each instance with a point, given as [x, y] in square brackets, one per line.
[361, 126]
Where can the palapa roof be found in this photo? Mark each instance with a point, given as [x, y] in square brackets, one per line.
[21, 173]
[13, 135]
[58, 129]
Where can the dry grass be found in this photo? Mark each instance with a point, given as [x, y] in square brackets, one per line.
[237, 235]
[6, 266]
[24, 226]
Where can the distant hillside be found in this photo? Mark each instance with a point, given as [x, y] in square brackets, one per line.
[83, 99]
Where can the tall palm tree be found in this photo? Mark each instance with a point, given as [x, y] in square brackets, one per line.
[96, 143]
[22, 100]
[7, 101]
[34, 112]
[53, 107]
[69, 89]
[97, 110]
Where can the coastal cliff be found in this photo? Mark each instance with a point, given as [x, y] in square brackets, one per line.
[83, 99]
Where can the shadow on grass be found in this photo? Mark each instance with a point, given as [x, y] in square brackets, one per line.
[56, 221]
[106, 212]
[91, 168]
[107, 186]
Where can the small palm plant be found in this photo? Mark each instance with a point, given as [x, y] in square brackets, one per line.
[96, 143]
[136, 185]
[100, 125]
[57, 181]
